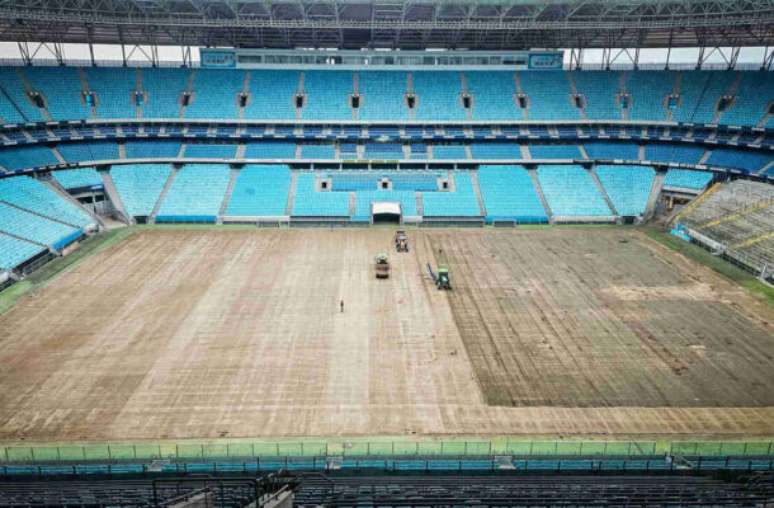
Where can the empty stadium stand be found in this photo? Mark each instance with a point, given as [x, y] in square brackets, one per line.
[260, 191]
[195, 195]
[571, 192]
[627, 186]
[140, 186]
[509, 194]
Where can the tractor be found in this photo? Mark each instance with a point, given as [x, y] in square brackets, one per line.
[382, 266]
[401, 241]
[441, 279]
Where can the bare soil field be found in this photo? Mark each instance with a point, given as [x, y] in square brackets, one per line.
[209, 333]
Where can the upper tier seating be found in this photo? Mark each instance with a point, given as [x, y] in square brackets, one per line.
[751, 100]
[649, 91]
[548, 95]
[687, 179]
[363, 200]
[88, 151]
[553, 151]
[210, 150]
[321, 151]
[140, 186]
[215, 93]
[628, 187]
[494, 95]
[382, 96]
[15, 106]
[35, 228]
[272, 95]
[115, 88]
[717, 85]
[36, 196]
[61, 87]
[495, 151]
[461, 202]
[78, 178]
[746, 160]
[196, 194]
[164, 88]
[260, 191]
[327, 95]
[21, 157]
[599, 88]
[152, 149]
[14, 252]
[270, 150]
[449, 152]
[509, 194]
[570, 191]
[438, 96]
[309, 202]
[612, 150]
[685, 154]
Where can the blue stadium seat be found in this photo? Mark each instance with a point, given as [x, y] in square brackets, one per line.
[13, 158]
[152, 149]
[570, 191]
[509, 194]
[553, 151]
[215, 93]
[495, 151]
[363, 200]
[164, 88]
[271, 150]
[309, 202]
[140, 186]
[599, 88]
[78, 178]
[612, 150]
[260, 191]
[13, 251]
[210, 150]
[683, 154]
[494, 95]
[88, 151]
[382, 95]
[687, 179]
[449, 152]
[628, 187]
[196, 194]
[327, 95]
[439, 96]
[461, 202]
[35, 228]
[115, 88]
[272, 94]
[34, 195]
[746, 160]
[15, 106]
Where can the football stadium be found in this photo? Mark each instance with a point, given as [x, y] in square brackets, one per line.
[388, 253]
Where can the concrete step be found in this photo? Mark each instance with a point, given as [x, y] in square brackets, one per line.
[539, 192]
[291, 193]
[167, 185]
[115, 197]
[603, 192]
[227, 196]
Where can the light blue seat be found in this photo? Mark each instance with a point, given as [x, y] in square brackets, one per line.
[196, 194]
[210, 151]
[383, 95]
[354, 181]
[509, 194]
[15, 107]
[418, 151]
[751, 99]
[548, 95]
[164, 89]
[414, 181]
[364, 199]
[260, 191]
[35, 228]
[309, 202]
[687, 179]
[746, 160]
[271, 150]
[33, 195]
[449, 152]
[88, 151]
[717, 84]
[327, 95]
[628, 187]
[649, 91]
[140, 186]
[115, 88]
[599, 88]
[61, 87]
[439, 96]
[384, 151]
[461, 202]
[215, 93]
[78, 178]
[683, 154]
[152, 149]
[570, 192]
[318, 151]
[272, 95]
[612, 150]
[14, 252]
[494, 95]
[553, 151]
[22, 157]
[495, 151]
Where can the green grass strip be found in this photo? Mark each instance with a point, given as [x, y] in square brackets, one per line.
[716, 263]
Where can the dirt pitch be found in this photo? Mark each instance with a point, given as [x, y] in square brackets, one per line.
[561, 331]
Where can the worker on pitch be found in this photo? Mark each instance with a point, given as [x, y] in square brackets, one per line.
[341, 305]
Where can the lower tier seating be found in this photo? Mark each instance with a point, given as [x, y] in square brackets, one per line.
[570, 192]
[687, 179]
[196, 194]
[140, 186]
[260, 191]
[628, 187]
[460, 202]
[14, 251]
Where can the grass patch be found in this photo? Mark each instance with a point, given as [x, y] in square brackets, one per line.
[716, 263]
[45, 274]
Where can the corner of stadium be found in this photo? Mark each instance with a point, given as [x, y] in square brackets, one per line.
[390, 253]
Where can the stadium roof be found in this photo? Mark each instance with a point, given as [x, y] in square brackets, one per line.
[406, 24]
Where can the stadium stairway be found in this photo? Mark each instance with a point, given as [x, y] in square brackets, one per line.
[167, 185]
[539, 191]
[227, 196]
[603, 191]
[477, 192]
[291, 193]
[655, 192]
[115, 197]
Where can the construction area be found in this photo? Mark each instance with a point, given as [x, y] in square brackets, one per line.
[226, 333]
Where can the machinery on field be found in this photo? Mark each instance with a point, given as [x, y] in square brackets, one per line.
[401, 241]
[382, 266]
[441, 277]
